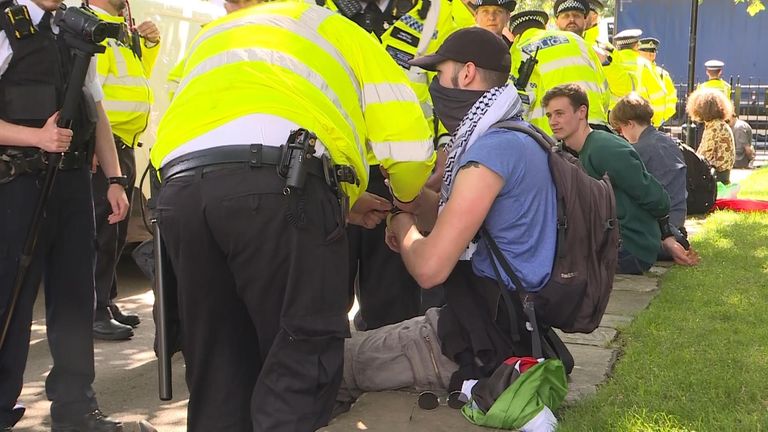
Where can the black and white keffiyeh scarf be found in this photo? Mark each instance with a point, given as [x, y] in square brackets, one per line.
[497, 104]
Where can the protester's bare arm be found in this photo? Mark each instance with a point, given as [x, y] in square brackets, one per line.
[431, 259]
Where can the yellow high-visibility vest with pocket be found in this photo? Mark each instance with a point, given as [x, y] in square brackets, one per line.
[563, 58]
[717, 84]
[646, 81]
[670, 107]
[124, 78]
[314, 68]
[420, 32]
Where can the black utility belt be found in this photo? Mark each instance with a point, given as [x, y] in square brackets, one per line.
[15, 162]
[255, 156]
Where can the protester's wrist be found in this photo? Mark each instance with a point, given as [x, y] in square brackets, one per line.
[394, 211]
[665, 228]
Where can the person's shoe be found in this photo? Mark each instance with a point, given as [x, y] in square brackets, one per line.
[125, 319]
[111, 330]
[93, 422]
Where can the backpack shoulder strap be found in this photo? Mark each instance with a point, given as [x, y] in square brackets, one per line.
[538, 135]
[528, 308]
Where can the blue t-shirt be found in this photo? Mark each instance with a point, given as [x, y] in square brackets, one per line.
[522, 219]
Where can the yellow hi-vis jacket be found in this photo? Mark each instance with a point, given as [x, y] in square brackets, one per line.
[647, 82]
[670, 104]
[127, 94]
[563, 58]
[717, 84]
[413, 36]
[314, 68]
[591, 34]
[619, 81]
[462, 16]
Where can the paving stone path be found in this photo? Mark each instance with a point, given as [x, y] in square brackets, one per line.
[594, 355]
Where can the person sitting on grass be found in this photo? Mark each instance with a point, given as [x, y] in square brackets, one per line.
[663, 159]
[642, 205]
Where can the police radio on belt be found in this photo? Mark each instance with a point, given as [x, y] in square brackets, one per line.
[300, 146]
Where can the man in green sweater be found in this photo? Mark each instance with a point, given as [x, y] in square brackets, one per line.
[642, 205]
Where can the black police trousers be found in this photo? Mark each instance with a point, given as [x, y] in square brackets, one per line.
[386, 292]
[65, 258]
[262, 290]
[110, 239]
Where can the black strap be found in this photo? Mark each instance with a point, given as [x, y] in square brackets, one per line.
[511, 312]
[528, 306]
[45, 22]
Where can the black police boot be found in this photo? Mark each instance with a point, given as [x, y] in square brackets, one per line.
[125, 319]
[93, 422]
[110, 329]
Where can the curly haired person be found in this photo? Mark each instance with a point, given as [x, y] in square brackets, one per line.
[713, 108]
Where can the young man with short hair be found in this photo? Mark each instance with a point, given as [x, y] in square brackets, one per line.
[660, 154]
[642, 205]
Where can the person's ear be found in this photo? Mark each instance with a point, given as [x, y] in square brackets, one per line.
[468, 74]
[583, 112]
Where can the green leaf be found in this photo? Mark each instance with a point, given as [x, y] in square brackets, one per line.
[754, 7]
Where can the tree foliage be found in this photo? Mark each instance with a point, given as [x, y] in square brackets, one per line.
[753, 7]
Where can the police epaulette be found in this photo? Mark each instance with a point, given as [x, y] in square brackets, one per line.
[18, 16]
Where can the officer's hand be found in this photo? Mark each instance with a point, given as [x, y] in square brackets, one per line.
[149, 31]
[367, 220]
[370, 202]
[119, 202]
[369, 210]
[601, 54]
[52, 138]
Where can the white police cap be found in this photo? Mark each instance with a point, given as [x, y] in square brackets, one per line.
[714, 65]
[627, 38]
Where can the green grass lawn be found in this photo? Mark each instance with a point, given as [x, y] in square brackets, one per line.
[756, 185]
[697, 358]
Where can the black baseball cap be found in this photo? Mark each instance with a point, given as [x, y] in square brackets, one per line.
[472, 44]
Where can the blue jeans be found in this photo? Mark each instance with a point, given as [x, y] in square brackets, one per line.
[630, 264]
